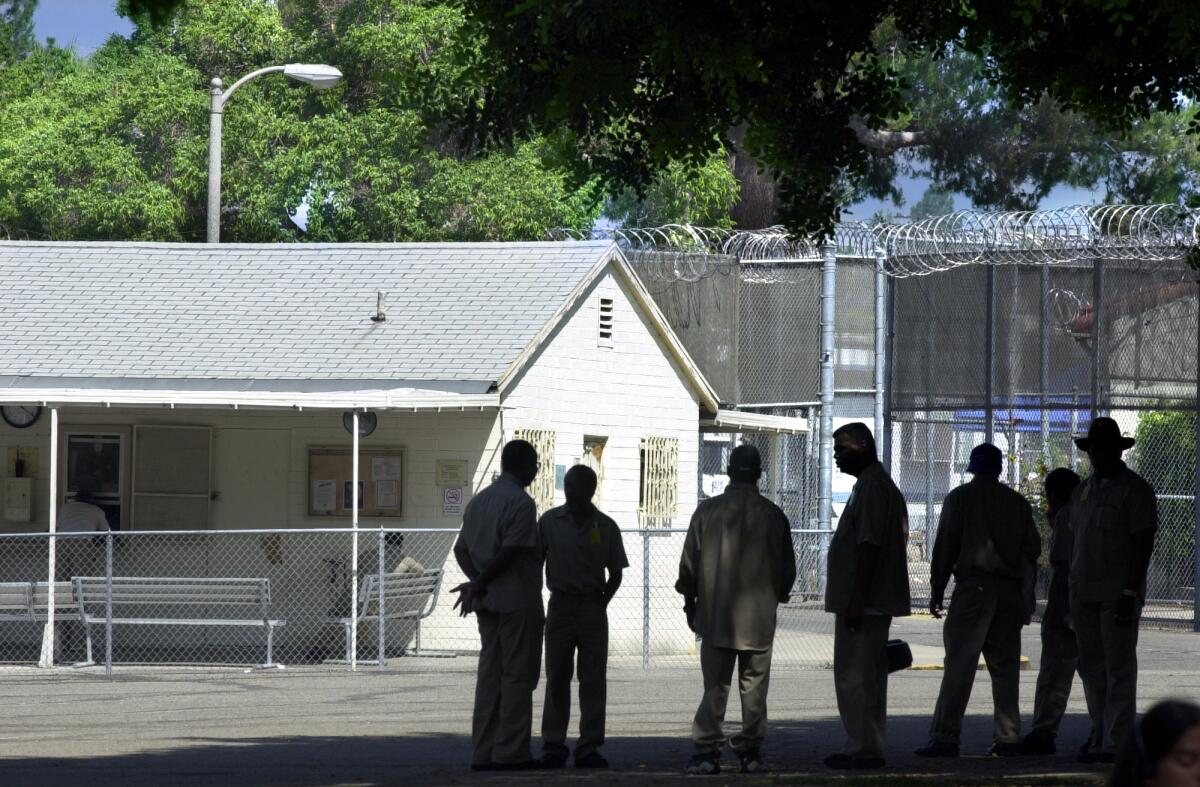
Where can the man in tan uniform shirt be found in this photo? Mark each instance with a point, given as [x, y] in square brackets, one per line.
[580, 545]
[867, 586]
[987, 539]
[737, 565]
[498, 549]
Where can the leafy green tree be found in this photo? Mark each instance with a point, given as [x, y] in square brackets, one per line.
[815, 100]
[16, 30]
[115, 146]
[934, 202]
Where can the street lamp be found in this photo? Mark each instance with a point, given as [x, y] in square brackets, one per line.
[316, 75]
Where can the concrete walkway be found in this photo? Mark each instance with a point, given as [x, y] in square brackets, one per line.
[410, 724]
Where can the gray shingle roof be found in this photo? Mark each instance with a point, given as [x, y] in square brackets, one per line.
[280, 312]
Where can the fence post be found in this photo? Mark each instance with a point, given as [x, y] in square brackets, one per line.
[108, 577]
[880, 345]
[645, 598]
[1097, 332]
[380, 629]
[828, 304]
[989, 413]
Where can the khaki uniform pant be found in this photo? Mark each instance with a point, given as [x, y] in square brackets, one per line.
[754, 676]
[860, 679]
[1055, 675]
[984, 617]
[1108, 669]
[576, 627]
[509, 665]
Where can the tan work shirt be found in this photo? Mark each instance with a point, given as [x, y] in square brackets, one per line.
[738, 563]
[577, 553]
[503, 515]
[875, 514]
[985, 530]
[1105, 515]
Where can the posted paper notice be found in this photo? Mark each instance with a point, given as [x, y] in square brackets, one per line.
[324, 495]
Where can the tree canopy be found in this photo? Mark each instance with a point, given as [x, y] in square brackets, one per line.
[820, 99]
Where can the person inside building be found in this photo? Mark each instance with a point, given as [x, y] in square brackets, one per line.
[499, 551]
[1114, 517]
[867, 586]
[1163, 750]
[737, 566]
[1056, 670]
[78, 556]
[584, 558]
[987, 539]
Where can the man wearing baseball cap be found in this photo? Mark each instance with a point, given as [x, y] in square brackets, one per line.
[987, 539]
[1114, 516]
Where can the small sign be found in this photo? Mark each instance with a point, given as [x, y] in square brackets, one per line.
[452, 472]
[452, 501]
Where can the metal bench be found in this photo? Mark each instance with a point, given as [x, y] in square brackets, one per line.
[177, 601]
[30, 601]
[410, 596]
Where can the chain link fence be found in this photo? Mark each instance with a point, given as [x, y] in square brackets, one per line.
[246, 600]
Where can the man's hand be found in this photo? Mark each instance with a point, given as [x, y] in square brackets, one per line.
[936, 608]
[689, 609]
[854, 615]
[468, 594]
[1125, 611]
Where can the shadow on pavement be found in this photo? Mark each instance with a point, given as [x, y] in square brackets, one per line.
[794, 750]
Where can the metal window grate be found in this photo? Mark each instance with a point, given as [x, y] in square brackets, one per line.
[605, 335]
[542, 488]
[660, 481]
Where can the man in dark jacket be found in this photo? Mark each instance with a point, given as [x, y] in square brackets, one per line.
[737, 566]
[986, 538]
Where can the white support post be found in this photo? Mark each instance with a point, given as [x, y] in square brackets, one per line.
[825, 455]
[776, 466]
[354, 551]
[47, 655]
[380, 630]
[108, 626]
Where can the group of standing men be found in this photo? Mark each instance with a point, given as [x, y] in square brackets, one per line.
[738, 565]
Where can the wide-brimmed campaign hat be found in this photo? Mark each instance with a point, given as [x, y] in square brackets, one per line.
[1104, 431]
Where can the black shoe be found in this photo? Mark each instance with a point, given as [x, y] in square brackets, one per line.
[527, 765]
[751, 761]
[550, 761]
[1038, 744]
[482, 766]
[591, 760]
[844, 762]
[1006, 749]
[707, 764]
[937, 749]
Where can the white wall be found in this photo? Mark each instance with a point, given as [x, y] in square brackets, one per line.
[624, 393]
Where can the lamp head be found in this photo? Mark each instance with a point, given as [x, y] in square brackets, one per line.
[317, 75]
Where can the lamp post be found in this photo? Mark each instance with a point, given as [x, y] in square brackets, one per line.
[315, 75]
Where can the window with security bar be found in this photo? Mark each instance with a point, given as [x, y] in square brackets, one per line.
[659, 495]
[542, 488]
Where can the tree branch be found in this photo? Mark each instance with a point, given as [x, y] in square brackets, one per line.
[887, 142]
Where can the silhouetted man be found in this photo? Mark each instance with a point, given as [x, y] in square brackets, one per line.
[579, 544]
[737, 566]
[1114, 516]
[498, 550]
[1059, 652]
[987, 539]
[867, 586]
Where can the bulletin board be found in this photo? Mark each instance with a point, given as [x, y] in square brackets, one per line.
[380, 481]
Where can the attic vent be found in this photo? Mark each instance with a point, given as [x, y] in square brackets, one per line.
[605, 336]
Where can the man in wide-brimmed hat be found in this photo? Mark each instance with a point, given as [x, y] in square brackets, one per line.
[1113, 519]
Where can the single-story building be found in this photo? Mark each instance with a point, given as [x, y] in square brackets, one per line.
[203, 391]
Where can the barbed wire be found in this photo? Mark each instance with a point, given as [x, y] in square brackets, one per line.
[1132, 233]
